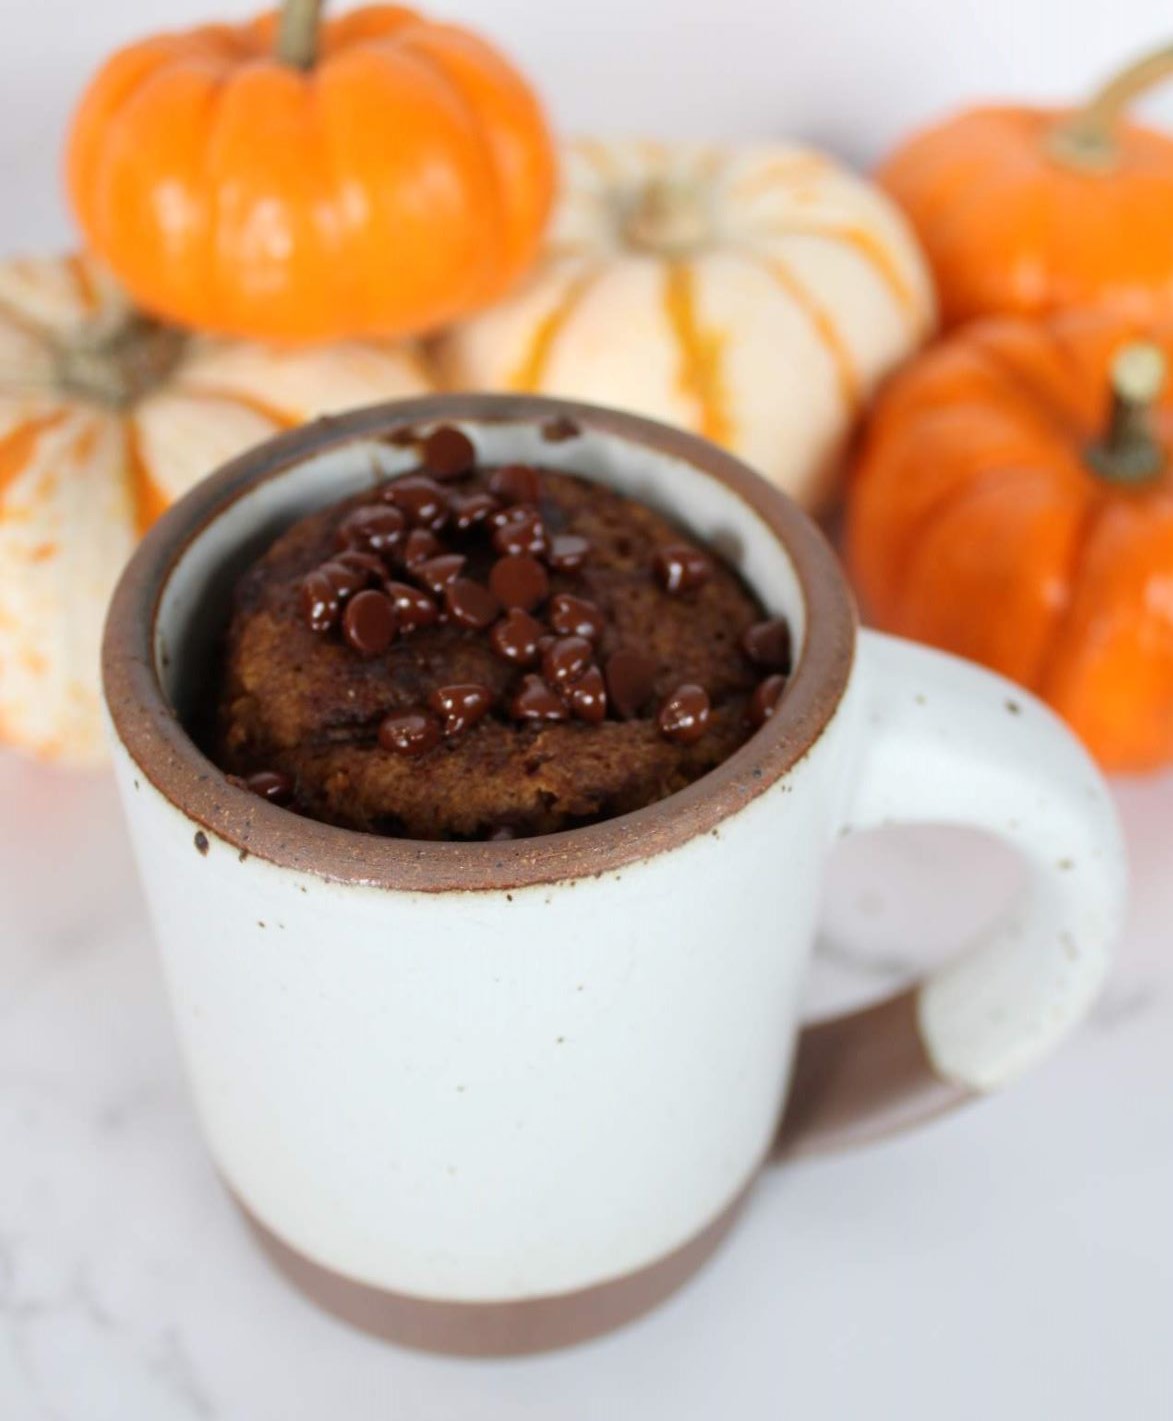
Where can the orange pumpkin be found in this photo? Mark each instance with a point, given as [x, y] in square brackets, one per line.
[1013, 503]
[376, 174]
[1033, 210]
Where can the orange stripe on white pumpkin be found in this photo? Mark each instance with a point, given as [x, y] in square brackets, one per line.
[530, 369]
[701, 377]
[828, 332]
[19, 446]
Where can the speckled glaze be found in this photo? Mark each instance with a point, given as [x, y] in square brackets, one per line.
[491, 1074]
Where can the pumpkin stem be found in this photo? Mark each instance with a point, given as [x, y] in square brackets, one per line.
[1130, 452]
[119, 366]
[1087, 138]
[297, 32]
[667, 218]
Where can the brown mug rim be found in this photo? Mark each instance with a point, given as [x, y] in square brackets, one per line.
[162, 749]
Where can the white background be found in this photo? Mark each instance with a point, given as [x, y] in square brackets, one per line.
[1015, 1261]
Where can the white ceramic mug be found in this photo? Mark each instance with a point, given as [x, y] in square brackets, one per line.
[498, 1096]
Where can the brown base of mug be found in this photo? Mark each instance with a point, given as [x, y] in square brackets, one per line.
[496, 1329]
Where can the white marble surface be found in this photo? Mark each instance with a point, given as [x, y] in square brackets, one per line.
[1014, 1261]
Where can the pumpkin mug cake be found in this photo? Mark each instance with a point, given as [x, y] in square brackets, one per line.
[469, 652]
[487, 933]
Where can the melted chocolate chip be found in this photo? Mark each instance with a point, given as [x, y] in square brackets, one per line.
[419, 546]
[681, 568]
[631, 680]
[345, 580]
[522, 532]
[517, 637]
[448, 453]
[587, 696]
[374, 528]
[516, 483]
[369, 564]
[764, 701]
[461, 706]
[319, 600]
[409, 732]
[468, 510]
[534, 700]
[470, 605]
[568, 552]
[575, 616]
[422, 501]
[684, 716]
[437, 573]
[565, 659]
[519, 581]
[368, 624]
[767, 644]
[274, 785]
[559, 429]
[413, 608]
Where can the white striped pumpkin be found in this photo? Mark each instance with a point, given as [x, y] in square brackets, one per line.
[753, 295]
[104, 420]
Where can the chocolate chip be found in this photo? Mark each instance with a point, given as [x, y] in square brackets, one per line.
[368, 624]
[346, 580]
[684, 716]
[764, 701]
[566, 659]
[470, 509]
[448, 453]
[320, 603]
[522, 532]
[375, 528]
[516, 483]
[409, 732]
[516, 637]
[587, 696]
[575, 616]
[568, 552]
[535, 700]
[413, 608]
[422, 501]
[559, 429]
[461, 706]
[469, 604]
[437, 573]
[767, 644]
[519, 581]
[369, 564]
[419, 547]
[631, 679]
[681, 568]
[274, 785]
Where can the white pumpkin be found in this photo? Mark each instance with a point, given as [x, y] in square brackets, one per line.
[105, 418]
[753, 295]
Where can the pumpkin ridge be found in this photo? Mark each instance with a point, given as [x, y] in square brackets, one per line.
[1055, 648]
[700, 377]
[823, 324]
[873, 251]
[18, 444]
[528, 374]
[225, 394]
[1032, 399]
[148, 501]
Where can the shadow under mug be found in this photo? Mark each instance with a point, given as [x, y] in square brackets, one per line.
[496, 1097]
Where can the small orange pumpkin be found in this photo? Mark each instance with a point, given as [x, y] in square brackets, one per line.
[377, 174]
[1032, 210]
[1014, 503]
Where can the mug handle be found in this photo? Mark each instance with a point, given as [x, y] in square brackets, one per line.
[947, 742]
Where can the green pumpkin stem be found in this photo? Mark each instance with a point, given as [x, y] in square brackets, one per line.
[297, 32]
[1130, 451]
